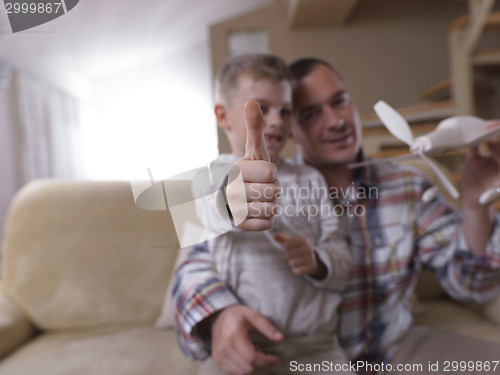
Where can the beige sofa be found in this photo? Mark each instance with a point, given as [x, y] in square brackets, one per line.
[84, 277]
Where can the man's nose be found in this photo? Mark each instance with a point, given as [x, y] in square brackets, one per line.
[332, 118]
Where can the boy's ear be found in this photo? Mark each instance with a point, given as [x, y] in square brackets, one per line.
[221, 115]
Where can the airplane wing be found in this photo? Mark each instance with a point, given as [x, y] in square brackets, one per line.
[483, 137]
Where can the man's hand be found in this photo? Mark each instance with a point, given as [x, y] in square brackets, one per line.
[302, 259]
[259, 176]
[480, 173]
[232, 349]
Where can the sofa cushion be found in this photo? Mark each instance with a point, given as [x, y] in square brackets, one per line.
[433, 351]
[14, 327]
[428, 286]
[124, 351]
[81, 254]
[456, 317]
[492, 310]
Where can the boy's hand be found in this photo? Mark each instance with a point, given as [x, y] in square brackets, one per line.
[302, 259]
[259, 176]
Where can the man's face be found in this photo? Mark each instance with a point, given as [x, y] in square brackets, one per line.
[275, 101]
[326, 125]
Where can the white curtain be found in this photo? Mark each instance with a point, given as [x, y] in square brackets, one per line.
[48, 131]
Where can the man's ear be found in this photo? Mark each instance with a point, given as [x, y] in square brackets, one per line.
[221, 115]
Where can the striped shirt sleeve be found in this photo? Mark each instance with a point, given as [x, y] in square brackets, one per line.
[442, 247]
[197, 294]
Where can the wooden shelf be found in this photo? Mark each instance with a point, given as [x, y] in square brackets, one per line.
[486, 57]
[440, 88]
[417, 129]
[319, 13]
[417, 113]
[492, 20]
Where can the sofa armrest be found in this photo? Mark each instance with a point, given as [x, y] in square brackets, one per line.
[15, 329]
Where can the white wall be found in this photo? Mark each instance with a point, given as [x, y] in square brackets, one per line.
[10, 154]
[387, 49]
[8, 173]
[157, 116]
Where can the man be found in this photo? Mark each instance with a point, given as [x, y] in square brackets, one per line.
[394, 238]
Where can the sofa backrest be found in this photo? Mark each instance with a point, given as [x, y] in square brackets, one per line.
[80, 254]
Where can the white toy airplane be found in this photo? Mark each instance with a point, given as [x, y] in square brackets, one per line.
[450, 134]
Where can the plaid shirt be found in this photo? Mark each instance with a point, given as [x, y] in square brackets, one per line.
[393, 234]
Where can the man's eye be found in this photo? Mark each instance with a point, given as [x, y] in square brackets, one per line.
[307, 116]
[341, 102]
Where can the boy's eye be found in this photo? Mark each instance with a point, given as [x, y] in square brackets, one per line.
[285, 112]
[263, 108]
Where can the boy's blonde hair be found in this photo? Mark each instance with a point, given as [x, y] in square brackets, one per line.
[254, 65]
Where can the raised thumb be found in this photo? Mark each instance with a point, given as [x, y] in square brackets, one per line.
[256, 144]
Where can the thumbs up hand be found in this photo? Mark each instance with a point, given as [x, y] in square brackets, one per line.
[302, 259]
[259, 175]
[256, 144]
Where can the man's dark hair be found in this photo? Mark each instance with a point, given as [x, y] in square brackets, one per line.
[302, 67]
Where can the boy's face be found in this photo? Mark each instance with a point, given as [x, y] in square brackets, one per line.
[275, 101]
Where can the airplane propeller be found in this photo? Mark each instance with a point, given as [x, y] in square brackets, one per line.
[400, 128]
[458, 131]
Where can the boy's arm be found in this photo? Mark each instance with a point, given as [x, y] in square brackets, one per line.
[326, 264]
[333, 251]
[330, 247]
[302, 259]
[328, 261]
[208, 187]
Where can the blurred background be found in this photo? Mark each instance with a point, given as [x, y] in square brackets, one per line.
[115, 87]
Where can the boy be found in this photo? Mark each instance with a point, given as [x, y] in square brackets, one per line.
[294, 276]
